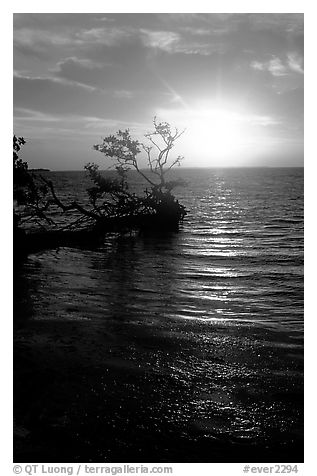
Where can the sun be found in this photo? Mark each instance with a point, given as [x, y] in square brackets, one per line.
[218, 135]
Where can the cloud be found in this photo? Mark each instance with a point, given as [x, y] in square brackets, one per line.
[289, 23]
[105, 35]
[82, 62]
[40, 38]
[221, 23]
[39, 42]
[164, 40]
[59, 97]
[119, 68]
[178, 43]
[196, 31]
[27, 115]
[273, 66]
[54, 96]
[54, 79]
[78, 71]
[295, 63]
[277, 67]
[72, 121]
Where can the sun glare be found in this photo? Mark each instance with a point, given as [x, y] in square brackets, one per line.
[218, 136]
[217, 132]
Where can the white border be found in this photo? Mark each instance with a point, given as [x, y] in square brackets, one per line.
[164, 6]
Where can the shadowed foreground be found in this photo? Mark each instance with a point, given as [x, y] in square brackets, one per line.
[193, 392]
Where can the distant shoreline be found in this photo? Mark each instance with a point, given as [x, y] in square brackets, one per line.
[189, 168]
[48, 170]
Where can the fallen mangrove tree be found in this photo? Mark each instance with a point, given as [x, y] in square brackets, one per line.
[111, 205]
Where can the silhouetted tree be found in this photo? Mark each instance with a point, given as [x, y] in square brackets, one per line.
[124, 150]
[28, 194]
[112, 206]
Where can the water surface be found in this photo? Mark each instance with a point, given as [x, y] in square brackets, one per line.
[184, 346]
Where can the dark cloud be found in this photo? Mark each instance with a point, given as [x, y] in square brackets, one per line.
[64, 97]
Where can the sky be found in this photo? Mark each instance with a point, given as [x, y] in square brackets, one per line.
[233, 82]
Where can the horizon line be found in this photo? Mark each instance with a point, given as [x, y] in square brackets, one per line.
[183, 168]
